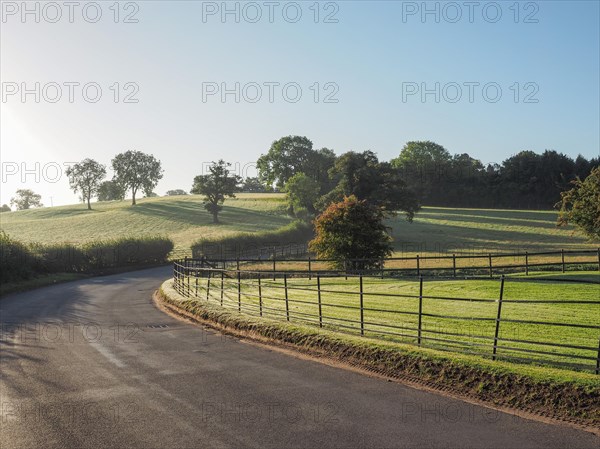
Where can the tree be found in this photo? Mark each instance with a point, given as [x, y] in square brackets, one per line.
[136, 170]
[581, 205]
[215, 186]
[362, 175]
[110, 191]
[5, 208]
[253, 185]
[26, 199]
[423, 164]
[176, 192]
[85, 177]
[353, 234]
[302, 193]
[294, 154]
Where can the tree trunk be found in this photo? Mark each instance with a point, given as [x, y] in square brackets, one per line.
[215, 217]
[133, 199]
[88, 203]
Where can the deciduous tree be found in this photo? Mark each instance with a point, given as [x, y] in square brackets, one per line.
[110, 191]
[26, 199]
[137, 171]
[302, 193]
[216, 186]
[352, 233]
[581, 205]
[85, 178]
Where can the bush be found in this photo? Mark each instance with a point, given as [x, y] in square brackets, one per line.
[16, 260]
[20, 261]
[253, 244]
[581, 205]
[352, 234]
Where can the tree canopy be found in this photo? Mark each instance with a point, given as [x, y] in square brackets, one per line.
[581, 205]
[362, 175]
[137, 171]
[26, 199]
[176, 192]
[110, 191]
[216, 186]
[302, 193]
[352, 234]
[294, 154]
[85, 177]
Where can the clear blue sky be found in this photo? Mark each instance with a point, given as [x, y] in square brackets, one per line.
[369, 53]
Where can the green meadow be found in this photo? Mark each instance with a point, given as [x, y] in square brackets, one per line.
[182, 218]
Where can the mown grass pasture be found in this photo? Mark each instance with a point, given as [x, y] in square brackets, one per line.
[450, 311]
[435, 230]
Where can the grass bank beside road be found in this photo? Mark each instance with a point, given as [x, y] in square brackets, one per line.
[563, 394]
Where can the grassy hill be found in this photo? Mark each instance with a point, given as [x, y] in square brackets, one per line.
[183, 218]
[437, 230]
[434, 230]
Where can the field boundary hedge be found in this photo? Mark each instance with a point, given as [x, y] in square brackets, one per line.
[288, 240]
[22, 261]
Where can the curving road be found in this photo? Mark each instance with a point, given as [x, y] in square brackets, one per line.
[94, 363]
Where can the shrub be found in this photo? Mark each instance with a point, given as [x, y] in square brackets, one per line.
[16, 260]
[352, 234]
[253, 244]
[581, 205]
[19, 261]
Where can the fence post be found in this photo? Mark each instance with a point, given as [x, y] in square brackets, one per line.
[239, 282]
[186, 274]
[420, 309]
[362, 313]
[287, 305]
[222, 284]
[319, 299]
[237, 263]
[208, 285]
[454, 264]
[309, 269]
[562, 257]
[175, 277]
[491, 271]
[598, 359]
[196, 276]
[496, 333]
[418, 265]
[259, 295]
[274, 263]
[526, 263]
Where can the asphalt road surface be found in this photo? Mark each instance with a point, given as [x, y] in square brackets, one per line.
[93, 364]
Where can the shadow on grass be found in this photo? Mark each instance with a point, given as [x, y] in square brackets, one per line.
[447, 236]
[485, 220]
[192, 213]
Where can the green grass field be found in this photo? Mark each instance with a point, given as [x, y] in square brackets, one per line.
[182, 218]
[434, 231]
[340, 310]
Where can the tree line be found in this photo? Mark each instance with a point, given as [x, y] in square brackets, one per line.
[424, 172]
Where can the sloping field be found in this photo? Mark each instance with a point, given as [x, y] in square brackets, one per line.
[435, 231]
[182, 218]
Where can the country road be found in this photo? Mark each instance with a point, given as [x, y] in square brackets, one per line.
[94, 364]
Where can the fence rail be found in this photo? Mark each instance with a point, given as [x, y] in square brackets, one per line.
[489, 264]
[354, 302]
